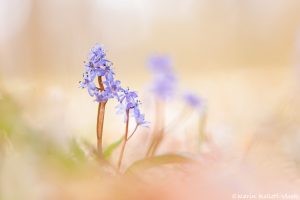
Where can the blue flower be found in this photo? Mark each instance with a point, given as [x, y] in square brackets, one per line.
[113, 88]
[164, 87]
[160, 64]
[98, 66]
[139, 117]
[194, 101]
[164, 81]
[89, 84]
[129, 97]
[102, 96]
[97, 57]
[129, 103]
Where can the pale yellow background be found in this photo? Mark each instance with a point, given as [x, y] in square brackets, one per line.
[240, 55]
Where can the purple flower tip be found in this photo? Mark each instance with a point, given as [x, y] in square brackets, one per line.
[194, 101]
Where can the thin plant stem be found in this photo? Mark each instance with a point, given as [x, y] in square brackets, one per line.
[124, 141]
[149, 150]
[101, 86]
[156, 143]
[133, 132]
[202, 126]
[161, 133]
[158, 127]
[100, 120]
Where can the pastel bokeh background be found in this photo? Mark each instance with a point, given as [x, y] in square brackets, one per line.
[242, 57]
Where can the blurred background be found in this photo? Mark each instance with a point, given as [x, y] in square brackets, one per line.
[239, 55]
[242, 57]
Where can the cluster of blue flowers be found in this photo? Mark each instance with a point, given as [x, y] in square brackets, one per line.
[99, 67]
[165, 85]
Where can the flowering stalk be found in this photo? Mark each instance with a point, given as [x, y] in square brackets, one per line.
[109, 88]
[124, 140]
[100, 119]
[164, 87]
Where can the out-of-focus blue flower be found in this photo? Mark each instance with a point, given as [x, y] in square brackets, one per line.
[99, 66]
[194, 101]
[160, 64]
[164, 87]
[164, 82]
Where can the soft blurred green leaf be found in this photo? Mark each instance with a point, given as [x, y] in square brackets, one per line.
[77, 151]
[112, 147]
[9, 117]
[157, 161]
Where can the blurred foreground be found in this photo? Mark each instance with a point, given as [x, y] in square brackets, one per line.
[34, 166]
